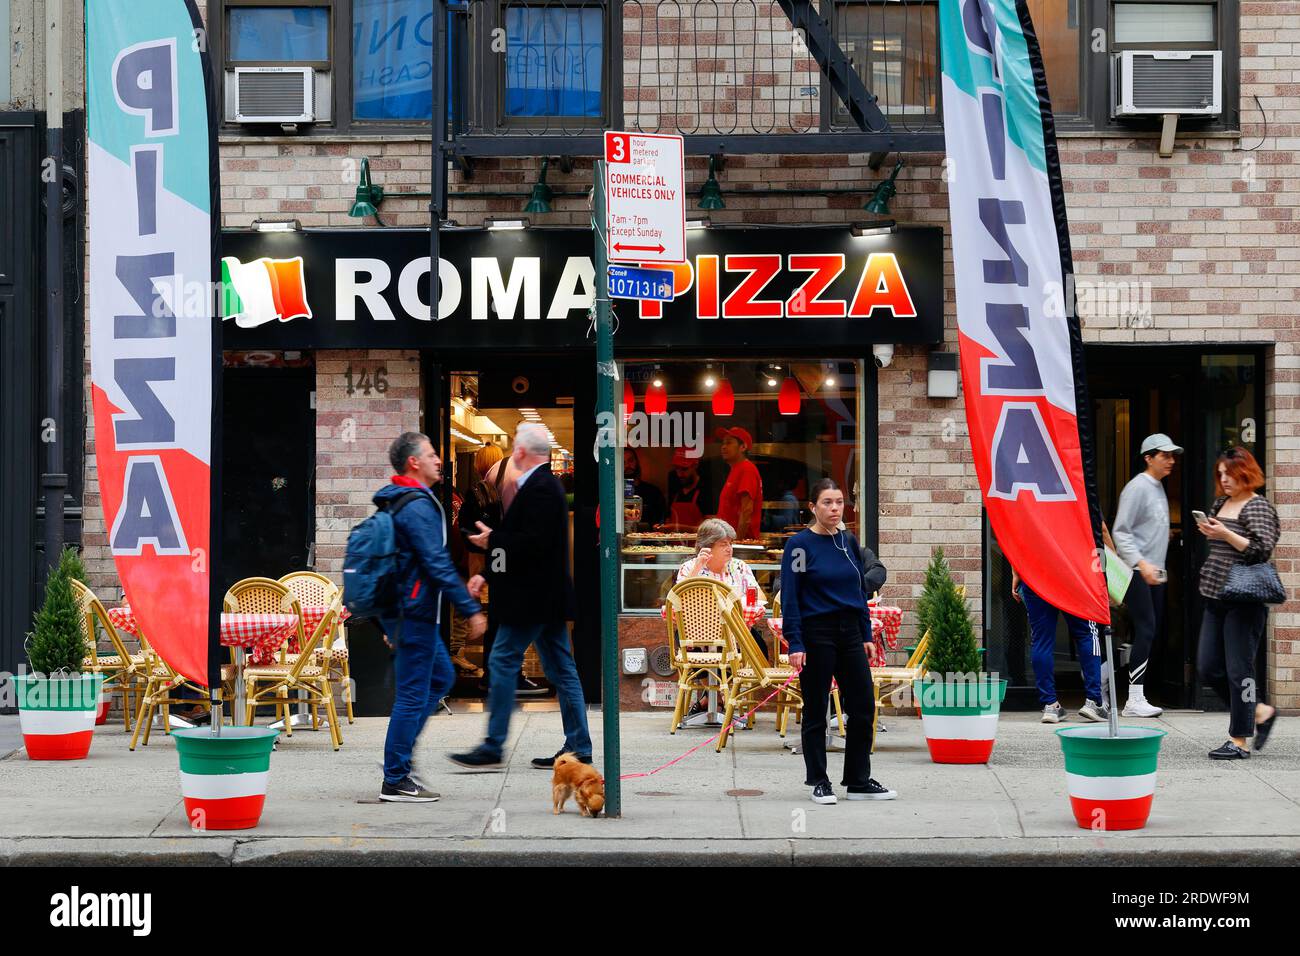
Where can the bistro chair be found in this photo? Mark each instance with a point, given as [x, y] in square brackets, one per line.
[755, 678]
[783, 660]
[122, 670]
[274, 683]
[161, 687]
[265, 596]
[700, 653]
[886, 681]
[310, 589]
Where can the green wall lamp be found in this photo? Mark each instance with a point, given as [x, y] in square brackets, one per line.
[540, 201]
[711, 192]
[886, 191]
[370, 195]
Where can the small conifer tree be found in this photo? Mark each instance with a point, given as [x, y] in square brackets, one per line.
[58, 643]
[953, 647]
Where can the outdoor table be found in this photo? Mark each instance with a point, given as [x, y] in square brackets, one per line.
[263, 634]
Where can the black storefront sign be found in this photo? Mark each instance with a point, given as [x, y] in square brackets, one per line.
[819, 289]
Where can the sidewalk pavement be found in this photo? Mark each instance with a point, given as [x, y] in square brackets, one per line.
[746, 805]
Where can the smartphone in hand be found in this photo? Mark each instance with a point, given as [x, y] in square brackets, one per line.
[1200, 517]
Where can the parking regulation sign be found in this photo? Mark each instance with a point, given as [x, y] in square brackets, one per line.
[645, 184]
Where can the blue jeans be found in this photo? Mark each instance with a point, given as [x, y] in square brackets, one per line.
[424, 676]
[1042, 629]
[552, 642]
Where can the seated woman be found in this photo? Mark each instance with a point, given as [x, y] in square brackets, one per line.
[715, 538]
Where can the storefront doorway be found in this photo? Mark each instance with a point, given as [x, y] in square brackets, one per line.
[474, 404]
[268, 525]
[1206, 400]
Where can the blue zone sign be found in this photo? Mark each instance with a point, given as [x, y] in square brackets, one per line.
[626, 282]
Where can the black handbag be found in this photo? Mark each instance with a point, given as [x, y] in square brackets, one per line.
[1253, 584]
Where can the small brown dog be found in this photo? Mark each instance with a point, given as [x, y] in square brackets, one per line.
[577, 779]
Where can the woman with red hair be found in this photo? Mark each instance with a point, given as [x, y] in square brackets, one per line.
[1242, 528]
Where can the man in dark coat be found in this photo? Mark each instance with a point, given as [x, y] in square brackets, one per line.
[422, 665]
[527, 567]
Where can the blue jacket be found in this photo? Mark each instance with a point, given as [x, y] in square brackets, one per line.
[427, 573]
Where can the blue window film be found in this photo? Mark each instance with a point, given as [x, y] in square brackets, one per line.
[279, 34]
[392, 59]
[554, 61]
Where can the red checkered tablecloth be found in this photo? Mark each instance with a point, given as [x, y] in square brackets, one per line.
[259, 634]
[885, 624]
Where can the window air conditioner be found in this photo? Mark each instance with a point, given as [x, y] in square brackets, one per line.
[1156, 82]
[274, 94]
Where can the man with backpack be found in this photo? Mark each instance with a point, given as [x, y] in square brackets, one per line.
[407, 598]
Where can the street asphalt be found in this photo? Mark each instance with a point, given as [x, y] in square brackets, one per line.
[746, 805]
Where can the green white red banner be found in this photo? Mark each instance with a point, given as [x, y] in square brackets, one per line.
[1021, 351]
[152, 189]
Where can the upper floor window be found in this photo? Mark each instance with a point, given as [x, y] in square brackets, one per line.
[392, 59]
[894, 46]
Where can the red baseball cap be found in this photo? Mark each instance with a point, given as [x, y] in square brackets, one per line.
[682, 458]
[738, 433]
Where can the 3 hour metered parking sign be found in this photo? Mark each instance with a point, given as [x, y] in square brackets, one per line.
[645, 183]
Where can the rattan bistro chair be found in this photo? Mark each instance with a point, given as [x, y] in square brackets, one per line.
[783, 660]
[700, 653]
[265, 596]
[161, 686]
[755, 679]
[311, 588]
[274, 683]
[122, 670]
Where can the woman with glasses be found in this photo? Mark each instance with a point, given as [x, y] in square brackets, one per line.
[1242, 528]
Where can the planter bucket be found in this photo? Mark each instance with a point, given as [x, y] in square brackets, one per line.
[1111, 780]
[105, 702]
[223, 779]
[960, 720]
[58, 714]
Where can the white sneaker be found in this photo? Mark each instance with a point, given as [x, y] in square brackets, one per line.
[1053, 714]
[1094, 711]
[1137, 705]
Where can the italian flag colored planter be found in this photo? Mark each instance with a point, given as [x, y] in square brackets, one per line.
[58, 714]
[1111, 780]
[223, 779]
[959, 718]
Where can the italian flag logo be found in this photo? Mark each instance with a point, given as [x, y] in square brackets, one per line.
[264, 290]
[1111, 780]
[224, 778]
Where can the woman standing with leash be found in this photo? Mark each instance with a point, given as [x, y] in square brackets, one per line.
[825, 619]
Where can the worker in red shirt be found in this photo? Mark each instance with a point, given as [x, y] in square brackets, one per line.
[740, 503]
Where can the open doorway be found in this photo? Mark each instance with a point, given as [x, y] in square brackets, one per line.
[480, 404]
[1206, 400]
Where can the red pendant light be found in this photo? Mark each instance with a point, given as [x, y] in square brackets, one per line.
[629, 401]
[656, 398]
[788, 401]
[724, 399]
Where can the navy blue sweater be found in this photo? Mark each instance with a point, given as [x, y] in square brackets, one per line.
[829, 581]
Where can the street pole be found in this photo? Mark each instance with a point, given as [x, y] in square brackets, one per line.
[54, 480]
[438, 207]
[607, 425]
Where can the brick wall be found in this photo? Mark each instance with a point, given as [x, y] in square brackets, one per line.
[1214, 230]
[353, 433]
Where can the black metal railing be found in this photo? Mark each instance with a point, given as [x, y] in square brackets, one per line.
[729, 75]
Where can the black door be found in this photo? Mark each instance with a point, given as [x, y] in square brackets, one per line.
[1206, 400]
[268, 460]
[19, 364]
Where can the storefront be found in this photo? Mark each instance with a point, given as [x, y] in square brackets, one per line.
[769, 338]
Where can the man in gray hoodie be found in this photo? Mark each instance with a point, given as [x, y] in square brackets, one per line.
[1141, 534]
